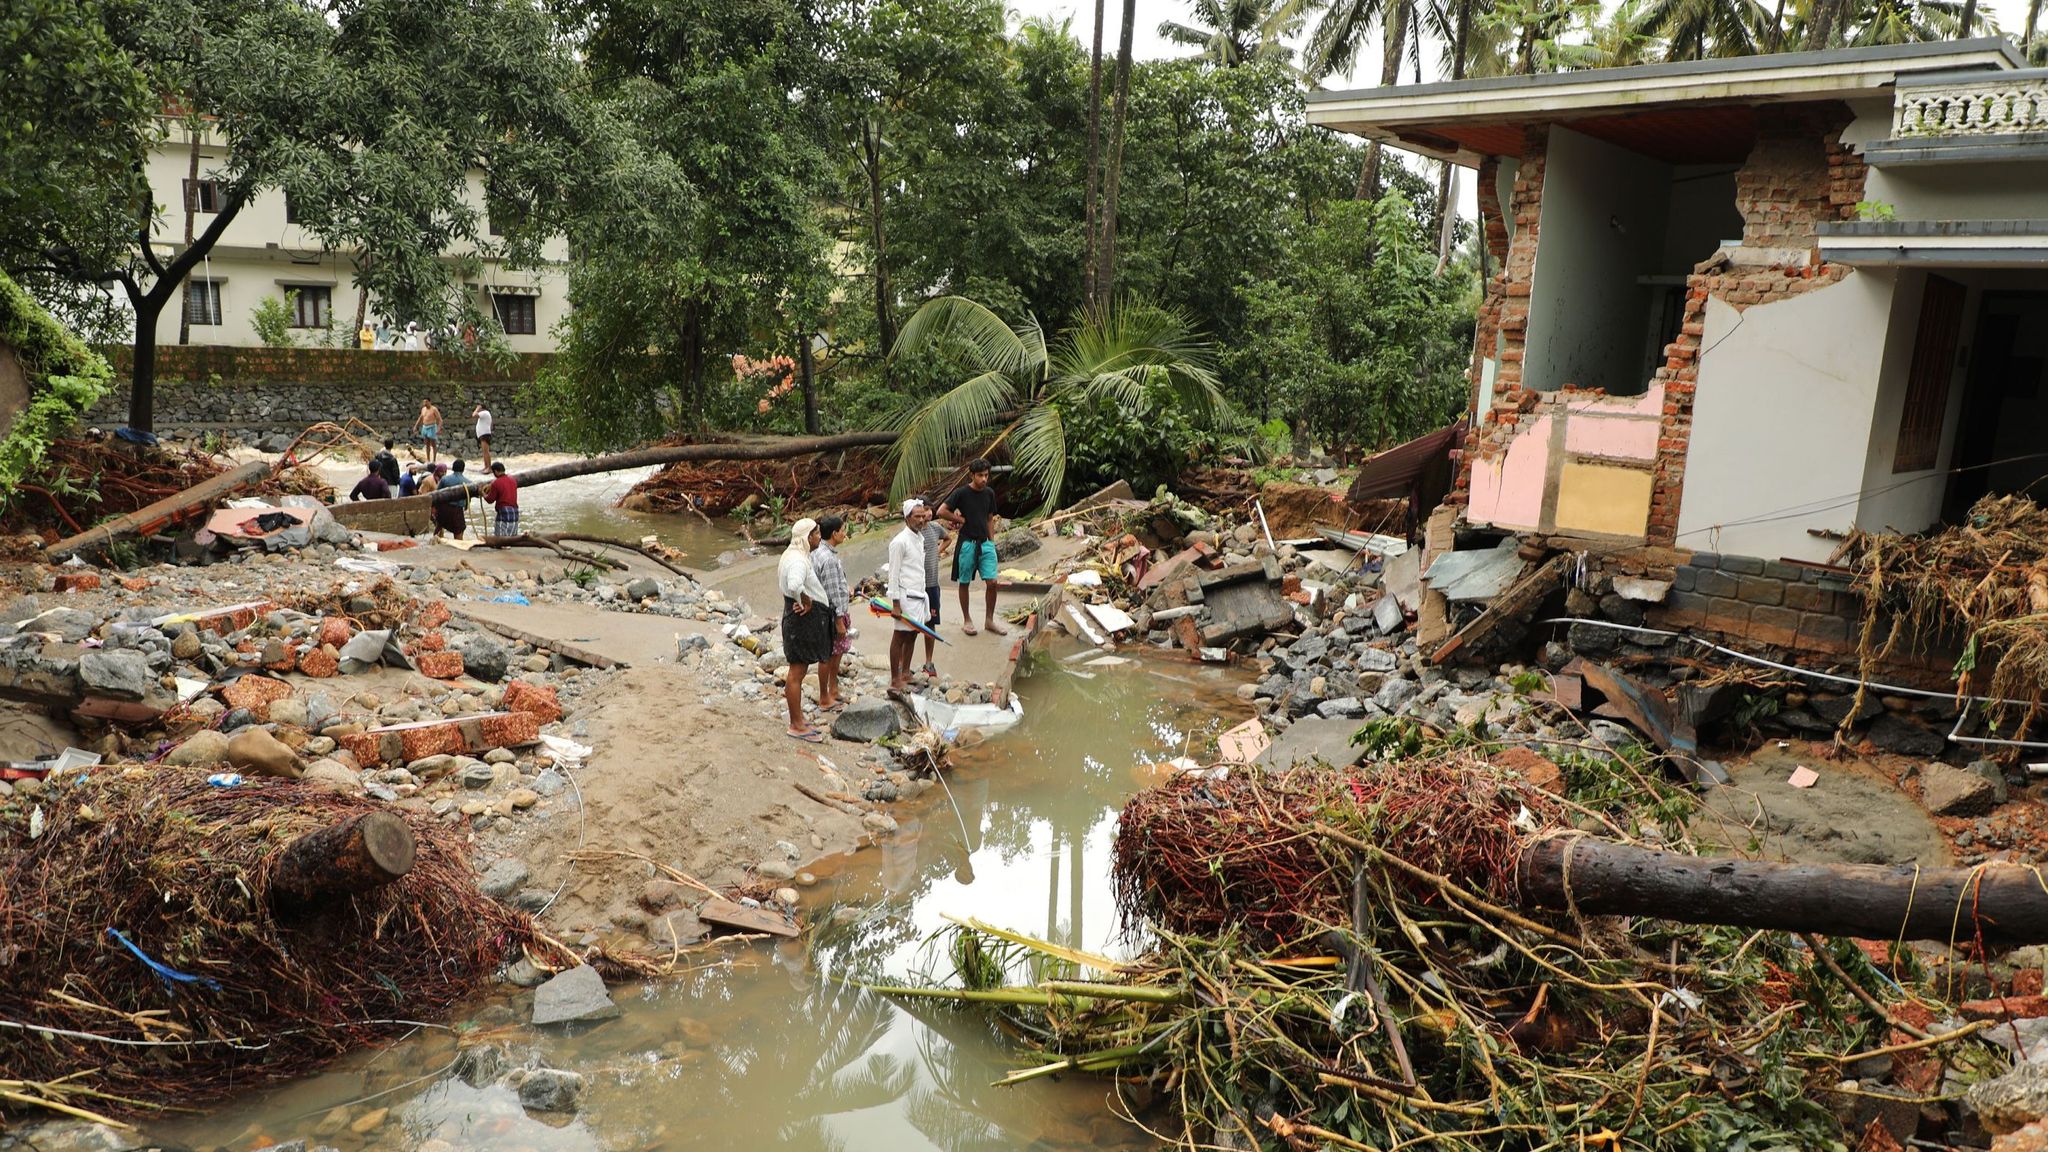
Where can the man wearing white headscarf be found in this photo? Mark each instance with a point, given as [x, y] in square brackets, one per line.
[806, 623]
[907, 593]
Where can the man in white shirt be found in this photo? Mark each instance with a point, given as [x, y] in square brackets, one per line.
[907, 593]
[483, 432]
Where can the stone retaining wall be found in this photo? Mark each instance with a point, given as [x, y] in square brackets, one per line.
[251, 393]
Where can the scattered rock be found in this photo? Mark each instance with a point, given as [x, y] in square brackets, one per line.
[878, 822]
[642, 588]
[523, 798]
[503, 878]
[120, 675]
[1949, 791]
[485, 658]
[480, 1066]
[575, 995]
[775, 870]
[185, 645]
[332, 776]
[676, 930]
[524, 973]
[258, 753]
[2011, 1101]
[199, 749]
[552, 1089]
[478, 777]
[369, 1121]
[1906, 737]
[867, 721]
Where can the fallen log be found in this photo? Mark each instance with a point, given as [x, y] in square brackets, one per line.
[154, 518]
[365, 851]
[651, 457]
[2005, 903]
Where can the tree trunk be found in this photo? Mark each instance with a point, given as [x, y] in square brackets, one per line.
[1446, 215]
[1777, 39]
[191, 187]
[1105, 277]
[1088, 213]
[1390, 75]
[2006, 903]
[871, 149]
[2033, 22]
[1821, 32]
[142, 386]
[1969, 19]
[652, 457]
[155, 517]
[363, 852]
[693, 362]
[809, 378]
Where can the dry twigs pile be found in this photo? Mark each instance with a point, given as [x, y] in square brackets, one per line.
[1330, 969]
[1984, 582]
[180, 869]
[81, 482]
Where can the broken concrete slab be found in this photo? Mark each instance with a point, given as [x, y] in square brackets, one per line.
[1480, 574]
[1314, 739]
[1241, 608]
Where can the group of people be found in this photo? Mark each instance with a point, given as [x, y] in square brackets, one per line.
[383, 479]
[817, 604]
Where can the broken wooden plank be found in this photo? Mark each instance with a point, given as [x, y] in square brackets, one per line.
[1518, 601]
[722, 913]
[1644, 708]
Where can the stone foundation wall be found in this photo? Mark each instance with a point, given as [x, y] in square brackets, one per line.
[251, 393]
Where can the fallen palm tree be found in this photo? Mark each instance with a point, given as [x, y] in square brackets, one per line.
[1983, 583]
[1400, 958]
[165, 941]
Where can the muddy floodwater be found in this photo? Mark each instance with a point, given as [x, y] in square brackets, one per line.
[760, 1047]
[588, 504]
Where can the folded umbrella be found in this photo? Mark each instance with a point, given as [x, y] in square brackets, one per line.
[881, 607]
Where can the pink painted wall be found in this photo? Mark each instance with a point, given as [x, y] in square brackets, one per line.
[1591, 434]
[1507, 490]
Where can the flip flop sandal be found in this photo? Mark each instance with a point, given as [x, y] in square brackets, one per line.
[930, 670]
[970, 629]
[812, 737]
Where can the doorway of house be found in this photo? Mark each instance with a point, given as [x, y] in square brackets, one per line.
[2002, 438]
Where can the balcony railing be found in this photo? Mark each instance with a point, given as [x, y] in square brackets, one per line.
[1993, 104]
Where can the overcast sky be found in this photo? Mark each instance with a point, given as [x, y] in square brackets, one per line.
[1147, 44]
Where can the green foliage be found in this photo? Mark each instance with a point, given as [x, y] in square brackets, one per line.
[65, 379]
[79, 114]
[1133, 363]
[583, 576]
[1362, 341]
[272, 318]
[1875, 210]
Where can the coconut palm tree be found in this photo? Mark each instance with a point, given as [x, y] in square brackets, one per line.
[1234, 32]
[1133, 355]
[1701, 29]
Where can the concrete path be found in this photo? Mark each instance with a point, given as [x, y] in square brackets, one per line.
[633, 638]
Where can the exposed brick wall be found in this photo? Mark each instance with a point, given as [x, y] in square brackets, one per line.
[253, 392]
[1503, 322]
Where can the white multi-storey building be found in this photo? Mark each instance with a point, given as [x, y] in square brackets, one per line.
[265, 254]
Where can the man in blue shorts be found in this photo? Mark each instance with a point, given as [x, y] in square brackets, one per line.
[971, 510]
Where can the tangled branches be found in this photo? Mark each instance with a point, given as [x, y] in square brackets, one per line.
[1983, 583]
[180, 870]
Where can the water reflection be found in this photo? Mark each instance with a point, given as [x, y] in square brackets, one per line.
[776, 1047]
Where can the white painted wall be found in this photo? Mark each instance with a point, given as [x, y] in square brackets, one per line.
[1602, 226]
[261, 255]
[1782, 419]
[1910, 501]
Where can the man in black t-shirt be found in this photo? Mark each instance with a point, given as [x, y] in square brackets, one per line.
[972, 511]
[385, 464]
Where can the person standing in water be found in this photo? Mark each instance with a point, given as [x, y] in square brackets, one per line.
[429, 428]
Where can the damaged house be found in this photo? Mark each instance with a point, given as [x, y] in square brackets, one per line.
[1735, 308]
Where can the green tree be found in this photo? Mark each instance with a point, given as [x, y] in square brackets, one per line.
[1361, 343]
[1700, 29]
[371, 114]
[1233, 32]
[79, 117]
[1022, 392]
[711, 217]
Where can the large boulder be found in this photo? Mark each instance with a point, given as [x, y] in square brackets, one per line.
[503, 878]
[572, 997]
[2012, 1101]
[1949, 791]
[118, 675]
[868, 721]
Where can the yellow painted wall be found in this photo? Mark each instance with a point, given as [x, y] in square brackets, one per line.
[1604, 499]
